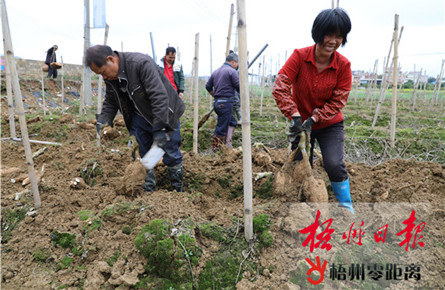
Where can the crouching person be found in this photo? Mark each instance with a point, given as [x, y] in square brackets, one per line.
[149, 104]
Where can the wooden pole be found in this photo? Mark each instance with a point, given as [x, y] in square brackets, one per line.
[19, 105]
[245, 112]
[63, 86]
[262, 85]
[195, 99]
[229, 34]
[11, 110]
[394, 82]
[43, 91]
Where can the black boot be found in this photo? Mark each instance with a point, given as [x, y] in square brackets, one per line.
[150, 181]
[175, 175]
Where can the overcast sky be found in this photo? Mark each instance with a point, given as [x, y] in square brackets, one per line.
[282, 24]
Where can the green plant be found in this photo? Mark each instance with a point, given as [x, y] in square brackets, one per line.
[113, 259]
[90, 170]
[126, 230]
[266, 189]
[41, 255]
[85, 214]
[64, 263]
[10, 219]
[261, 223]
[212, 231]
[64, 240]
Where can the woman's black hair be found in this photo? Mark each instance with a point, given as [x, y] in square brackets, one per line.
[98, 55]
[331, 21]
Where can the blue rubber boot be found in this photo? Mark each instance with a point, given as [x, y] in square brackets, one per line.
[343, 194]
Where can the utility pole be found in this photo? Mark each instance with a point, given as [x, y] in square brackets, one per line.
[153, 47]
[86, 70]
[99, 88]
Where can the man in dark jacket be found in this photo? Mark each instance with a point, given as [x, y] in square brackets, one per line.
[173, 70]
[50, 58]
[150, 106]
[222, 85]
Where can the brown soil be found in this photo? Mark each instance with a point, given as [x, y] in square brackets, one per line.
[396, 181]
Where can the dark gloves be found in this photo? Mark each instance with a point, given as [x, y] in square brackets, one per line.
[99, 127]
[295, 128]
[160, 138]
[307, 125]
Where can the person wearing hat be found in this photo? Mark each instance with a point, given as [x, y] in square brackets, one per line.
[50, 58]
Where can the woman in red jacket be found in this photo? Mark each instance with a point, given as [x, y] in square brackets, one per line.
[312, 88]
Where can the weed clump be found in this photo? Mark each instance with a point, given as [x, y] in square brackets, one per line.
[261, 226]
[10, 219]
[266, 189]
[212, 231]
[169, 257]
[90, 171]
[64, 240]
[41, 255]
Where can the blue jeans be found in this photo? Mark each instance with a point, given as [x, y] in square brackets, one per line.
[331, 141]
[223, 108]
[143, 132]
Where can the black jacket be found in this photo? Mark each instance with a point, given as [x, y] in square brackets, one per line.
[50, 56]
[146, 89]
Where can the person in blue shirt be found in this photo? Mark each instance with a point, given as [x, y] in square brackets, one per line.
[222, 86]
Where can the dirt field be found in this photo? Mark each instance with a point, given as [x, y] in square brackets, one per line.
[105, 218]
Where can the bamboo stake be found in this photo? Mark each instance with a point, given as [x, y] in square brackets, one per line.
[192, 81]
[195, 100]
[32, 141]
[19, 105]
[437, 86]
[424, 87]
[374, 84]
[229, 34]
[370, 86]
[211, 70]
[383, 86]
[416, 86]
[262, 85]
[63, 86]
[245, 111]
[11, 109]
[394, 83]
[43, 92]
